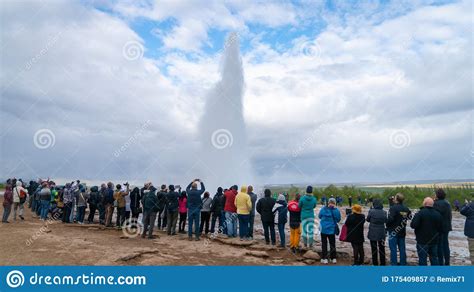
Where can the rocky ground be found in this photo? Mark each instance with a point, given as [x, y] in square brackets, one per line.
[32, 242]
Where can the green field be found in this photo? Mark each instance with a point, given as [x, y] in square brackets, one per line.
[413, 195]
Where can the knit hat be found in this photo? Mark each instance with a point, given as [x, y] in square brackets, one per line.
[281, 197]
[309, 189]
[332, 201]
[357, 209]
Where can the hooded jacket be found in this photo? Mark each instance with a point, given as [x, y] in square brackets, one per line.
[17, 191]
[377, 218]
[217, 204]
[172, 201]
[182, 204]
[243, 203]
[230, 201]
[307, 204]
[327, 224]
[265, 207]
[135, 198]
[295, 214]
[280, 209]
[468, 211]
[427, 224]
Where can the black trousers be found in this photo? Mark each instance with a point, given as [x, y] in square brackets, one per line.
[162, 219]
[269, 232]
[182, 221]
[92, 209]
[378, 250]
[332, 245]
[205, 216]
[358, 250]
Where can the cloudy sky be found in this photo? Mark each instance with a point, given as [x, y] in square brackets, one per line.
[334, 91]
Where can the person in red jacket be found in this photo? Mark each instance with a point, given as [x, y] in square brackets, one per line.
[231, 211]
[295, 222]
[7, 203]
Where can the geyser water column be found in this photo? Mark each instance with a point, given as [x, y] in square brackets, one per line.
[222, 126]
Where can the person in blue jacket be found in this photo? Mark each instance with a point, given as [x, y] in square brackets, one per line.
[329, 217]
[307, 204]
[194, 205]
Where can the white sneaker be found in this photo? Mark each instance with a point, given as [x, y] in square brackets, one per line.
[323, 261]
[334, 261]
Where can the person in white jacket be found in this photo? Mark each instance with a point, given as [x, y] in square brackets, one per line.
[17, 201]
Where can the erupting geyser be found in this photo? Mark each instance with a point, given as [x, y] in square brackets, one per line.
[222, 126]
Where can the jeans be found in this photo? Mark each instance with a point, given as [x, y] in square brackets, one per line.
[378, 250]
[231, 223]
[38, 208]
[243, 225]
[269, 229]
[204, 222]
[172, 218]
[443, 249]
[358, 250]
[101, 213]
[251, 222]
[182, 221]
[81, 212]
[395, 242]
[67, 210]
[6, 212]
[223, 223]
[215, 216]
[193, 219]
[148, 221]
[425, 250]
[332, 245]
[308, 231]
[44, 209]
[295, 235]
[281, 231]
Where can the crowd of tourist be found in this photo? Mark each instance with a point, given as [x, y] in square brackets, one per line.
[232, 212]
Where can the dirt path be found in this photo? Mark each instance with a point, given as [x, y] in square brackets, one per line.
[33, 242]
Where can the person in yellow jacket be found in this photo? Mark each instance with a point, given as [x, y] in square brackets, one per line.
[244, 207]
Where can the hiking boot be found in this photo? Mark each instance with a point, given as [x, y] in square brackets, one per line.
[22, 218]
[197, 239]
[190, 238]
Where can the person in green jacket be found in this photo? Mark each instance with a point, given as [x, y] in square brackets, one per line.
[307, 204]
